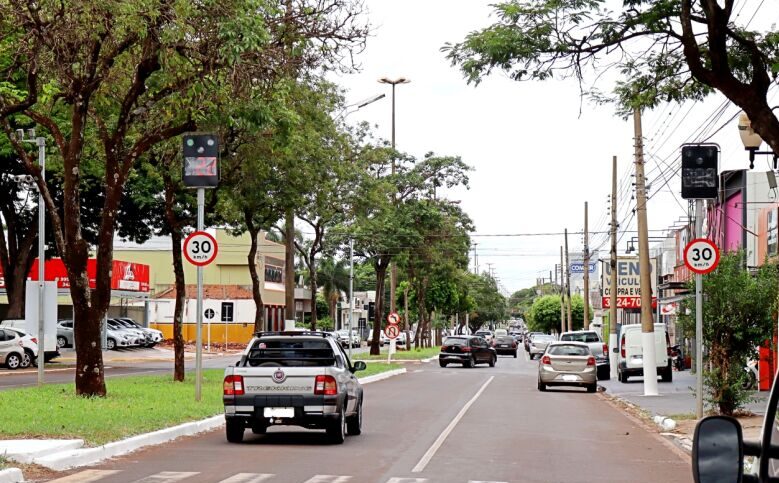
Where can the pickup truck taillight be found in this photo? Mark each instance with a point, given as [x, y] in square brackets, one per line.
[325, 386]
[591, 361]
[233, 386]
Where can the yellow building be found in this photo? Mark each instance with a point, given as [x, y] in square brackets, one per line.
[229, 308]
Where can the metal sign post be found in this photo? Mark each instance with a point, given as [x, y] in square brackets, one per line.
[200, 170]
[698, 320]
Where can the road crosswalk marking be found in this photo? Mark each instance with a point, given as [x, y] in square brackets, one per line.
[249, 478]
[328, 479]
[89, 476]
[85, 476]
[167, 477]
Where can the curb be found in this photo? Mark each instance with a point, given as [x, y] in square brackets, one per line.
[11, 475]
[381, 376]
[64, 460]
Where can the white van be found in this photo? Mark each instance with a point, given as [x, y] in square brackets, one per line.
[630, 358]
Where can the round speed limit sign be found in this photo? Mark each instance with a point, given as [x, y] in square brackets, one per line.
[701, 256]
[200, 248]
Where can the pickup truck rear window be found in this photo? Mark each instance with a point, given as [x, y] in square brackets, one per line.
[290, 353]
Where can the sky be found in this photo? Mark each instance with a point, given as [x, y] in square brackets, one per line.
[537, 149]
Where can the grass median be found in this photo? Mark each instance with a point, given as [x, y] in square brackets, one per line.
[134, 405]
[413, 354]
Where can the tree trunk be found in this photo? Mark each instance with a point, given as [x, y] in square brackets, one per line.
[178, 272]
[259, 305]
[15, 284]
[381, 272]
[289, 266]
[312, 287]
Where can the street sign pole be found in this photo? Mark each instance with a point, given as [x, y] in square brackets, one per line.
[698, 319]
[201, 197]
[351, 294]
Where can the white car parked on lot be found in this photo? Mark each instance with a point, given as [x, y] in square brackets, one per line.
[30, 345]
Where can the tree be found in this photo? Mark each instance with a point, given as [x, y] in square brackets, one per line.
[488, 303]
[738, 315]
[545, 314]
[334, 277]
[521, 301]
[136, 76]
[664, 50]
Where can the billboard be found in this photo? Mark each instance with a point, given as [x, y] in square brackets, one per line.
[125, 276]
[628, 276]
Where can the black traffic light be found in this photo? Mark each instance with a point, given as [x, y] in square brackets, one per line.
[201, 160]
[371, 311]
[700, 171]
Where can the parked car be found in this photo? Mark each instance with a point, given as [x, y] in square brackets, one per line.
[467, 350]
[293, 378]
[505, 344]
[30, 345]
[528, 337]
[11, 349]
[383, 339]
[51, 350]
[134, 337]
[153, 336]
[538, 344]
[630, 353]
[597, 347]
[342, 336]
[567, 364]
[486, 334]
[65, 337]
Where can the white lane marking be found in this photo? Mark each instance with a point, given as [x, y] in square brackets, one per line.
[527, 359]
[328, 479]
[442, 437]
[249, 478]
[85, 476]
[167, 477]
[407, 480]
[484, 481]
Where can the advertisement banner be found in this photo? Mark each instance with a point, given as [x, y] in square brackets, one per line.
[628, 276]
[125, 276]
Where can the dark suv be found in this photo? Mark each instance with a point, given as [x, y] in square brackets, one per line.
[467, 350]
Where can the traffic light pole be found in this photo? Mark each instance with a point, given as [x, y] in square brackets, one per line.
[698, 319]
[201, 197]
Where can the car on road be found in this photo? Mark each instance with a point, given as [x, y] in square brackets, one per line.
[467, 350]
[528, 337]
[630, 360]
[499, 332]
[343, 338]
[21, 326]
[567, 364]
[505, 344]
[297, 378]
[599, 349]
[486, 334]
[11, 349]
[538, 344]
[30, 345]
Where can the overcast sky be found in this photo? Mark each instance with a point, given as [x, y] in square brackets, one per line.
[536, 158]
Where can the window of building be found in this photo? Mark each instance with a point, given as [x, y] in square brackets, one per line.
[227, 311]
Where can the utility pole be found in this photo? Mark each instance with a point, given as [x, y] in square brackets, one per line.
[647, 323]
[289, 271]
[568, 280]
[562, 293]
[351, 294]
[613, 266]
[586, 271]
[699, 319]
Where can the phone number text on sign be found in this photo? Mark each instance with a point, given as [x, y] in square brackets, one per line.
[627, 302]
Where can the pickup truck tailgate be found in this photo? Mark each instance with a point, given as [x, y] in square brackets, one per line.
[279, 380]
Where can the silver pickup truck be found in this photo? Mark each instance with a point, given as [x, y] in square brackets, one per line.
[597, 347]
[296, 379]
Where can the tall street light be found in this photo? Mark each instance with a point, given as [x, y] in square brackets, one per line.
[393, 269]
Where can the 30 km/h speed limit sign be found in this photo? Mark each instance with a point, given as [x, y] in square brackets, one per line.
[200, 248]
[701, 256]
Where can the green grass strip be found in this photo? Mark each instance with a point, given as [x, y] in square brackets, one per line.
[134, 405]
[413, 354]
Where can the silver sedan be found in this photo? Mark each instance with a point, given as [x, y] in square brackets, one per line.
[567, 364]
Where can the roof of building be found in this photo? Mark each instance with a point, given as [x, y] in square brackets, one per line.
[225, 292]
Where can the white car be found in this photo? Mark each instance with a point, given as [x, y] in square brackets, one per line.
[342, 336]
[29, 344]
[486, 334]
[630, 353]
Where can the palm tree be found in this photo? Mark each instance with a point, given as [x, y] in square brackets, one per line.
[333, 277]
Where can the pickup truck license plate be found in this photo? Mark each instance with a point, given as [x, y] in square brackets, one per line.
[504, 345]
[279, 412]
[570, 378]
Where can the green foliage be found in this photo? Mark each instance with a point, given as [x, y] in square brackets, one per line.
[738, 316]
[488, 303]
[544, 314]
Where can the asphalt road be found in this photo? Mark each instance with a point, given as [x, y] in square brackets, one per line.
[418, 428]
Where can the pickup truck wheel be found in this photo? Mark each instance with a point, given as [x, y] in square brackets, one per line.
[336, 430]
[354, 423]
[234, 430]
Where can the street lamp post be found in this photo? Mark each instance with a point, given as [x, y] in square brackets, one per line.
[39, 141]
[393, 269]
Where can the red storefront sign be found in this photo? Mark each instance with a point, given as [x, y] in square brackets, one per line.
[125, 276]
[627, 302]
